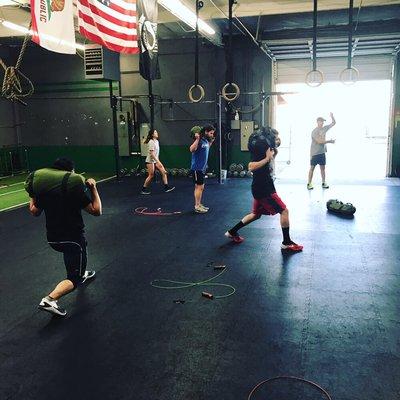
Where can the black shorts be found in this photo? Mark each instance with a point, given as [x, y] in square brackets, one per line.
[75, 256]
[198, 177]
[318, 159]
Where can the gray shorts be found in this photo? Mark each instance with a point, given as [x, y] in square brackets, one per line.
[318, 159]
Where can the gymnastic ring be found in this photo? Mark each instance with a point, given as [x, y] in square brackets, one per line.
[351, 81]
[317, 83]
[235, 95]
[190, 93]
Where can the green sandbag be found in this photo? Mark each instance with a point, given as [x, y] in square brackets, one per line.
[339, 207]
[49, 180]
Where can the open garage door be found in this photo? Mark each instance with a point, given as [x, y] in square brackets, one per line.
[362, 112]
[370, 68]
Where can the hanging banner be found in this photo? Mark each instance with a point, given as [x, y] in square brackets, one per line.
[147, 25]
[53, 25]
[111, 23]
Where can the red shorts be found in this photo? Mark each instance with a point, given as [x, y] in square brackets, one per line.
[269, 205]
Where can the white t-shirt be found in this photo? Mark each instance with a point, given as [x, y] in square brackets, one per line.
[155, 146]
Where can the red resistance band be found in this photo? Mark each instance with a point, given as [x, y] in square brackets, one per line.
[154, 213]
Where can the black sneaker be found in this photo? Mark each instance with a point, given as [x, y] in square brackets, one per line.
[145, 191]
[51, 306]
[87, 276]
[169, 189]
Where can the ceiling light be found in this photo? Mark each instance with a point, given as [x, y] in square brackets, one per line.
[177, 8]
[50, 38]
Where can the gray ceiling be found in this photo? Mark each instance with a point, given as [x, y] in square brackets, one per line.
[283, 27]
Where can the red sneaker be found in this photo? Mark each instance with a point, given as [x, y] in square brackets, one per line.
[234, 238]
[292, 247]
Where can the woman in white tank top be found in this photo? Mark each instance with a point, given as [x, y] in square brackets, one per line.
[153, 162]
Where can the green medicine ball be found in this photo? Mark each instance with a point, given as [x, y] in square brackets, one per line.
[195, 129]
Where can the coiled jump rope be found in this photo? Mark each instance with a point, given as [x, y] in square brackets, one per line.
[170, 284]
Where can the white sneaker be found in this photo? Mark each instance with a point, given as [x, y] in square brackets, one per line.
[87, 276]
[200, 210]
[206, 208]
[51, 306]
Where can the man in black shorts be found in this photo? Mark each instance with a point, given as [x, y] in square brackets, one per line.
[203, 139]
[318, 150]
[266, 200]
[62, 194]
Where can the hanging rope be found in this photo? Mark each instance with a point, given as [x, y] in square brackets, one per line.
[199, 4]
[352, 73]
[17, 85]
[315, 77]
[230, 96]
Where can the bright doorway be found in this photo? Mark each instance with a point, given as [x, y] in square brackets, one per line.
[361, 131]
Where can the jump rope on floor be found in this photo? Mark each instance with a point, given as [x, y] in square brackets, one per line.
[289, 378]
[170, 284]
[155, 213]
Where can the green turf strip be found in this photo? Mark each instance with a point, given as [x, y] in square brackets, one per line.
[13, 199]
[13, 188]
[9, 180]
[14, 195]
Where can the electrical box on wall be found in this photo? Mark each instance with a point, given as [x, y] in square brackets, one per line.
[144, 131]
[123, 133]
[246, 129]
[235, 124]
[101, 63]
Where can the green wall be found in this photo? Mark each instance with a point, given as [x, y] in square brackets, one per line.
[101, 158]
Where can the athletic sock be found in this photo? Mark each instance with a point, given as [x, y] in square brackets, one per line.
[49, 298]
[286, 236]
[235, 229]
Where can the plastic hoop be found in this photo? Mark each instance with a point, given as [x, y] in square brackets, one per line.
[190, 93]
[235, 95]
[351, 81]
[317, 83]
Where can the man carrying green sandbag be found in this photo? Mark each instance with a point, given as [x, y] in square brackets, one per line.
[62, 194]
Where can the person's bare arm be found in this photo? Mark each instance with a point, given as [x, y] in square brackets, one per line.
[333, 121]
[319, 140]
[195, 144]
[254, 165]
[33, 208]
[95, 207]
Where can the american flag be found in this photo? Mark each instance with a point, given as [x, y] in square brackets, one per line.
[111, 23]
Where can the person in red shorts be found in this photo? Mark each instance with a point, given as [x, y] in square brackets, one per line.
[266, 200]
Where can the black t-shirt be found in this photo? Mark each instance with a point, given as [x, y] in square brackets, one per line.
[63, 212]
[262, 185]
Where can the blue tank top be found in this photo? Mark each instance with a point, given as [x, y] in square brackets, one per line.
[200, 156]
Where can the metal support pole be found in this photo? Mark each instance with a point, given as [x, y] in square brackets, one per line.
[11, 163]
[27, 160]
[219, 138]
[120, 95]
[151, 104]
[113, 104]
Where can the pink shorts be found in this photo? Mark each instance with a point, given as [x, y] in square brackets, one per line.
[269, 205]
